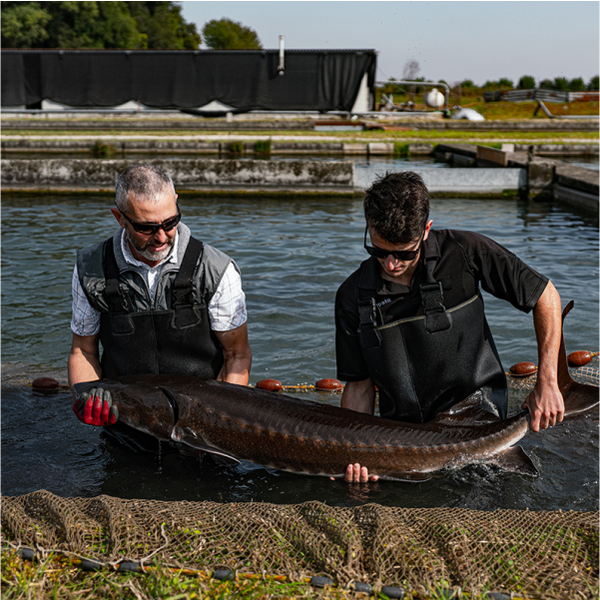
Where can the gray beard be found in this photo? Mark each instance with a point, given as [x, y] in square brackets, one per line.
[148, 254]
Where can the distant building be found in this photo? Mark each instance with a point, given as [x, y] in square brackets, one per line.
[209, 82]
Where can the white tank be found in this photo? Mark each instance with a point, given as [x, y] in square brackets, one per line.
[434, 98]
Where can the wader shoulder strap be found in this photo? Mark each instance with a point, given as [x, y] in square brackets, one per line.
[432, 298]
[183, 287]
[117, 300]
[367, 312]
[119, 303]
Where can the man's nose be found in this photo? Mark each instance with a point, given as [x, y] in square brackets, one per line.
[161, 236]
[391, 262]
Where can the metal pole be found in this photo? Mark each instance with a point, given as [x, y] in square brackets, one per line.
[281, 67]
[429, 83]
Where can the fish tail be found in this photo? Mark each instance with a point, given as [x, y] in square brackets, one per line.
[564, 376]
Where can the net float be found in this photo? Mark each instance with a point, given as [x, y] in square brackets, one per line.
[329, 384]
[523, 369]
[272, 385]
[45, 385]
[579, 358]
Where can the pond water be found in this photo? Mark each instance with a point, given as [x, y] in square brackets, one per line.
[587, 162]
[293, 254]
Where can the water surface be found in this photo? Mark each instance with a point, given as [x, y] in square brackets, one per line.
[293, 254]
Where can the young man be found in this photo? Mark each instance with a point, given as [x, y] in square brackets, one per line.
[157, 299]
[411, 319]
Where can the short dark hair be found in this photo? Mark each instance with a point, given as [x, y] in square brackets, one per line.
[397, 207]
[146, 182]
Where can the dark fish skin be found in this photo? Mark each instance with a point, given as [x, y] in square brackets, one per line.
[302, 436]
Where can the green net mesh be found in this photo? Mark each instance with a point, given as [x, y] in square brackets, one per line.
[510, 550]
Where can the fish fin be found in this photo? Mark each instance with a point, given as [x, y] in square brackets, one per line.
[514, 459]
[409, 477]
[579, 398]
[473, 410]
[564, 376]
[179, 435]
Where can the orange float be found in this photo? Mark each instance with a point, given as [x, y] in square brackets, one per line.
[329, 384]
[45, 385]
[579, 358]
[523, 369]
[272, 385]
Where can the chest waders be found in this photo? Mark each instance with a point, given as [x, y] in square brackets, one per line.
[178, 340]
[425, 364]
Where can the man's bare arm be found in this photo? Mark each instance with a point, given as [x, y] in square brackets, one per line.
[237, 355]
[359, 396]
[545, 402]
[84, 360]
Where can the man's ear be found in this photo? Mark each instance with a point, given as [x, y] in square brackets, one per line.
[427, 229]
[118, 216]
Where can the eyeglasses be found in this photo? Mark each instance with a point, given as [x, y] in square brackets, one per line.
[404, 255]
[152, 228]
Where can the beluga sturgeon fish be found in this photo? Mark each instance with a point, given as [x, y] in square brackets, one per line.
[302, 436]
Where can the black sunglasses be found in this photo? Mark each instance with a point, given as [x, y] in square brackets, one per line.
[152, 228]
[404, 255]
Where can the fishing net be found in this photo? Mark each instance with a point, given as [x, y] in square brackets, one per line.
[550, 554]
[587, 374]
[417, 549]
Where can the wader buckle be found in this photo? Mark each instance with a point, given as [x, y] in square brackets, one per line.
[185, 316]
[436, 316]
[367, 311]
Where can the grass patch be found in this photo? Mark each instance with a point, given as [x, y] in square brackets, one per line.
[401, 149]
[262, 146]
[56, 577]
[345, 136]
[236, 147]
[103, 150]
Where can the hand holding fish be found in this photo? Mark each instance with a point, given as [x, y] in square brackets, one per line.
[545, 404]
[357, 474]
[96, 408]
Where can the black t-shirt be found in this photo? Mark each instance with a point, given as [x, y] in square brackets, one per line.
[465, 261]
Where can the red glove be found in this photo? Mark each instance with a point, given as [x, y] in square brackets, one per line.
[96, 408]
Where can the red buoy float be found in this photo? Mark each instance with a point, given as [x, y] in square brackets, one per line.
[579, 358]
[272, 385]
[329, 384]
[523, 369]
[45, 385]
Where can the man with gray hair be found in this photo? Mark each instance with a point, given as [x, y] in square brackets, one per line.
[157, 299]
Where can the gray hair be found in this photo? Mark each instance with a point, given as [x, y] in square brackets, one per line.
[145, 182]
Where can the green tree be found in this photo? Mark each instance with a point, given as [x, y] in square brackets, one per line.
[23, 24]
[560, 83]
[577, 85]
[504, 82]
[546, 84]
[467, 84]
[164, 26]
[594, 84]
[225, 34]
[117, 28]
[527, 82]
[115, 24]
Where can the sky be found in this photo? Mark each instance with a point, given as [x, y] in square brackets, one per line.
[453, 41]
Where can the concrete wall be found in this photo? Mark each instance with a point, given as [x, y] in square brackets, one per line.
[188, 174]
[544, 177]
[523, 176]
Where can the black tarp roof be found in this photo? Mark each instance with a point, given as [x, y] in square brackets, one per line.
[246, 80]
